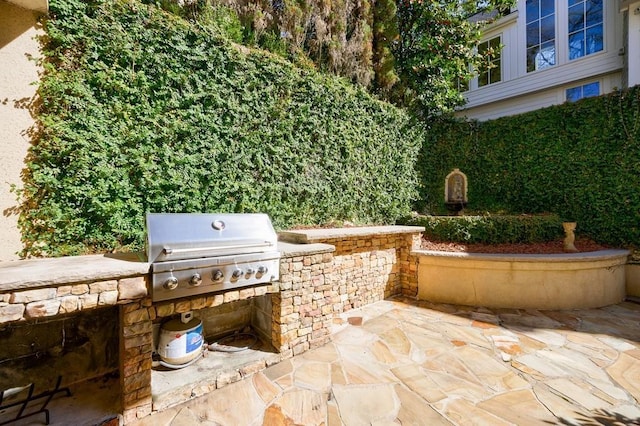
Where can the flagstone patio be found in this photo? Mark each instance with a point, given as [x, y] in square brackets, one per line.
[416, 363]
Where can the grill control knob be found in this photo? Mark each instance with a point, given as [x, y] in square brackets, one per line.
[262, 270]
[171, 283]
[236, 274]
[217, 275]
[249, 272]
[195, 280]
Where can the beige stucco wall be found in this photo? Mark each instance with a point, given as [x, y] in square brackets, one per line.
[37, 5]
[18, 28]
[633, 279]
[567, 281]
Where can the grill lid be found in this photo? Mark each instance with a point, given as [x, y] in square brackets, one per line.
[178, 236]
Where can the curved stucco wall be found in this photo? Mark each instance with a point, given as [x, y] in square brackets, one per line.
[18, 29]
[564, 281]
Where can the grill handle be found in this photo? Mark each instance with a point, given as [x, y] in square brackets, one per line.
[169, 251]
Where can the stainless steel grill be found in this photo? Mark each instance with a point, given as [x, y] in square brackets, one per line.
[193, 253]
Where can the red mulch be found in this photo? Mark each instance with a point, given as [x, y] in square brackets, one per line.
[551, 247]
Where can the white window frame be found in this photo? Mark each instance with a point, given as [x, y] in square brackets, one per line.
[556, 44]
[500, 57]
[562, 36]
[565, 21]
[581, 85]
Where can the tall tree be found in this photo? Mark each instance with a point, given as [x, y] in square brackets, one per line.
[436, 50]
[385, 32]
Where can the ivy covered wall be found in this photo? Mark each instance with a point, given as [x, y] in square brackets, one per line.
[580, 160]
[143, 111]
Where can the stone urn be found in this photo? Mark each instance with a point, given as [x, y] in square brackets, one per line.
[570, 237]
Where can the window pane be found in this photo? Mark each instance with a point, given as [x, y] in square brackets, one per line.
[574, 94]
[541, 35]
[490, 73]
[483, 79]
[585, 91]
[576, 18]
[532, 54]
[586, 28]
[547, 29]
[533, 35]
[594, 42]
[591, 89]
[594, 12]
[533, 11]
[482, 47]
[547, 7]
[576, 45]
[547, 55]
[494, 73]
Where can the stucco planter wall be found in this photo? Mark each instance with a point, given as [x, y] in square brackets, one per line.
[633, 279]
[563, 281]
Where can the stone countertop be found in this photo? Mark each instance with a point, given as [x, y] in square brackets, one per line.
[306, 236]
[36, 273]
[39, 273]
[292, 250]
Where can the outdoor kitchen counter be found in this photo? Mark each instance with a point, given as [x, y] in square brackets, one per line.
[316, 235]
[294, 250]
[37, 273]
[36, 288]
[53, 272]
[50, 286]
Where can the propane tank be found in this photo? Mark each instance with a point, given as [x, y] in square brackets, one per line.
[180, 340]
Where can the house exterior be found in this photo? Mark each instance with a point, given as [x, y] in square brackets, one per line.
[19, 29]
[549, 52]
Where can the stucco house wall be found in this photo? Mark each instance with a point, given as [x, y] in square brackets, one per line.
[18, 31]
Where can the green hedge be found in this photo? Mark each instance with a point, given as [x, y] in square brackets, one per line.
[490, 229]
[579, 160]
[144, 111]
